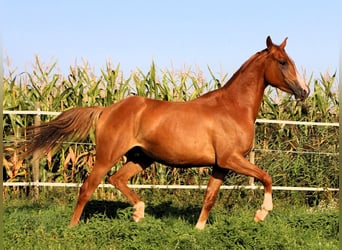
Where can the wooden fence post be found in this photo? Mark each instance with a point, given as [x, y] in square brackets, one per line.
[35, 161]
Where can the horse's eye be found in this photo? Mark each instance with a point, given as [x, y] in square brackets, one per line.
[282, 62]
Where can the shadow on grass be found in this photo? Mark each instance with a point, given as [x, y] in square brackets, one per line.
[167, 209]
[101, 207]
[112, 210]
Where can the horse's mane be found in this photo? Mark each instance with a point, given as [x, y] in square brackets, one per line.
[252, 59]
[245, 65]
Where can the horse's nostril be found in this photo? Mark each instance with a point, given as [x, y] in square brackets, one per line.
[306, 92]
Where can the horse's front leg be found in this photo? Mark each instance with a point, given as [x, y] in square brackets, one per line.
[241, 165]
[213, 188]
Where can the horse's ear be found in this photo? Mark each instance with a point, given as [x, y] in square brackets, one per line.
[269, 42]
[283, 44]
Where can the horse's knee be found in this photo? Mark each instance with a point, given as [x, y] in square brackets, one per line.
[116, 182]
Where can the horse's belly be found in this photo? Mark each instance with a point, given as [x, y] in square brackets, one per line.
[181, 152]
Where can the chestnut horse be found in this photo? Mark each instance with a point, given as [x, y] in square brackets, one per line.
[216, 129]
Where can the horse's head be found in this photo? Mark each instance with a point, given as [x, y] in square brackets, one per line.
[280, 71]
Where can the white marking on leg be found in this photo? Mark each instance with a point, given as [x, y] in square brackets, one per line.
[200, 225]
[267, 206]
[139, 212]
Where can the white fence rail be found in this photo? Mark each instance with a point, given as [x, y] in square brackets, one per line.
[39, 112]
[146, 186]
[198, 187]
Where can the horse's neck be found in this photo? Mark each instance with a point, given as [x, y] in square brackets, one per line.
[245, 90]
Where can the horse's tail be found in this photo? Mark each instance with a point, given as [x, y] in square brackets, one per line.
[73, 124]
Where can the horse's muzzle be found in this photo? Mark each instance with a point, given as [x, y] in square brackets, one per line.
[302, 94]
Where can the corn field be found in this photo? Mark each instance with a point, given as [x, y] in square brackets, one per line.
[294, 155]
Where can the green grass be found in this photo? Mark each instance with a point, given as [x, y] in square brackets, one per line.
[169, 223]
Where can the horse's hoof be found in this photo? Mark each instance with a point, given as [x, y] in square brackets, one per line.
[137, 218]
[260, 215]
[200, 226]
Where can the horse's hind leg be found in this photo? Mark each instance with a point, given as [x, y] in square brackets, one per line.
[87, 189]
[120, 178]
[103, 163]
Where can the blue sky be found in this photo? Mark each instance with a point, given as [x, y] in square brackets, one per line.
[221, 34]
